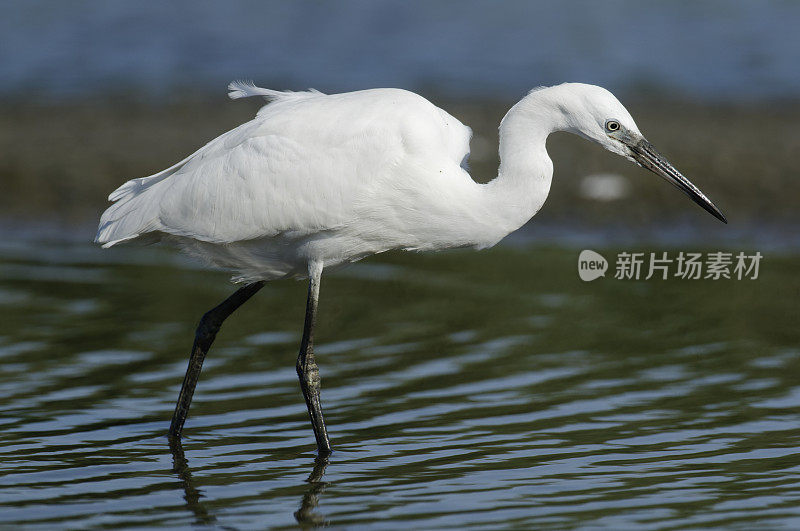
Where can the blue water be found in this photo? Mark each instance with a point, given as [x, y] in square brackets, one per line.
[735, 50]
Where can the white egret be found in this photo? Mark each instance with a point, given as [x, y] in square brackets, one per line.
[316, 180]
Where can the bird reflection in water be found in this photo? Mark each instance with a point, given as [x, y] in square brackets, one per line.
[305, 515]
[190, 493]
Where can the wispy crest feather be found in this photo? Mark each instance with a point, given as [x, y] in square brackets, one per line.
[241, 88]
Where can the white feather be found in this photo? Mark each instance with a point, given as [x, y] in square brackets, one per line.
[246, 89]
[334, 178]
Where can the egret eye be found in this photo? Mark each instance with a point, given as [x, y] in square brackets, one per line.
[612, 125]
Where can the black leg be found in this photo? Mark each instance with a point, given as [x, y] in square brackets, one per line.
[204, 337]
[307, 369]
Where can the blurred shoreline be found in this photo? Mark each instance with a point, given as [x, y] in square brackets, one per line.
[61, 160]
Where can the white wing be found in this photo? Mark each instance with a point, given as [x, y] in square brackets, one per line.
[303, 165]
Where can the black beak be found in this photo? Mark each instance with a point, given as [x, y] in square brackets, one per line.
[646, 155]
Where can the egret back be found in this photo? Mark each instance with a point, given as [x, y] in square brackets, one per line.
[305, 165]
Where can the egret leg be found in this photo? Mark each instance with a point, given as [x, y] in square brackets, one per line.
[203, 338]
[307, 369]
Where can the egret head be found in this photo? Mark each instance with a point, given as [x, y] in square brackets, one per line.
[594, 113]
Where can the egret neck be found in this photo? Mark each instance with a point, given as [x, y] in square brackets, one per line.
[526, 171]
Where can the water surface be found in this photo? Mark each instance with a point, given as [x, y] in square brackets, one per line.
[490, 390]
[713, 50]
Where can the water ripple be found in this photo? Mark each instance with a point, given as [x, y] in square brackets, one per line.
[483, 406]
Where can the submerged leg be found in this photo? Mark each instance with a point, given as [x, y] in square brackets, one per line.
[204, 336]
[307, 369]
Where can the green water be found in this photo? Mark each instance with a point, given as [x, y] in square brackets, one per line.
[487, 390]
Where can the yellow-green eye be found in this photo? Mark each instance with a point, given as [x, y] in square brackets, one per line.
[612, 125]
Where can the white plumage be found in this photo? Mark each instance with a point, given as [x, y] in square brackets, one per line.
[315, 180]
[334, 178]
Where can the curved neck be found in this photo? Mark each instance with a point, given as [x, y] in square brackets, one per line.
[526, 171]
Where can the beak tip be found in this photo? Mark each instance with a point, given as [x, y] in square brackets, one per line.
[645, 155]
